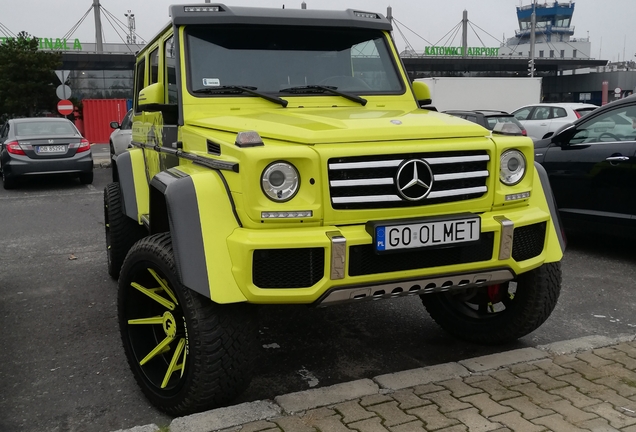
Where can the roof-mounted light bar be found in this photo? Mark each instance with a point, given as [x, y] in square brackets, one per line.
[369, 15]
[202, 9]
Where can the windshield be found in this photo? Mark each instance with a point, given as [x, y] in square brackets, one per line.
[270, 59]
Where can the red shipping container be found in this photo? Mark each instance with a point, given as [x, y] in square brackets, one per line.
[97, 115]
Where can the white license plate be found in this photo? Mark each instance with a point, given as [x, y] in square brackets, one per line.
[426, 234]
[52, 149]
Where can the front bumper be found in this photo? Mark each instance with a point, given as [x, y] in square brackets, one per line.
[336, 264]
[17, 165]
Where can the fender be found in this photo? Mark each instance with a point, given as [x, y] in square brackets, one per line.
[131, 170]
[199, 229]
[551, 202]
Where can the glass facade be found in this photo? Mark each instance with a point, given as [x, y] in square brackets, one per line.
[101, 84]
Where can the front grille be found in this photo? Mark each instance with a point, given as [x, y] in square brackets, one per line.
[366, 182]
[363, 260]
[288, 268]
[528, 241]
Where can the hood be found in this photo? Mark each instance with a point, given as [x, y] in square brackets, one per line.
[336, 125]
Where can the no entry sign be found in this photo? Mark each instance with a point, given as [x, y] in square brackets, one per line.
[65, 107]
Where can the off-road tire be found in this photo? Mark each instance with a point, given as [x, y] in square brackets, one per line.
[220, 339]
[120, 230]
[537, 292]
[86, 178]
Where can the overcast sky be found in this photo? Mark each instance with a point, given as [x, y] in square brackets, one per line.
[610, 24]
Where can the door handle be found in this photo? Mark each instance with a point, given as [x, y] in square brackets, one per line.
[617, 159]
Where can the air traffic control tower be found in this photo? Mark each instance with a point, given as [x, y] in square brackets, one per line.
[553, 33]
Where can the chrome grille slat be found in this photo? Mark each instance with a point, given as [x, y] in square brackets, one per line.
[456, 176]
[381, 198]
[456, 192]
[397, 162]
[389, 180]
[370, 181]
[367, 198]
[362, 182]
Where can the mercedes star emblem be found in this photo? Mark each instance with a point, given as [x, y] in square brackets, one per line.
[414, 180]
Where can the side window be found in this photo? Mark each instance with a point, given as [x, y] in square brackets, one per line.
[154, 66]
[522, 114]
[540, 113]
[615, 125]
[471, 118]
[139, 81]
[558, 112]
[126, 123]
[170, 76]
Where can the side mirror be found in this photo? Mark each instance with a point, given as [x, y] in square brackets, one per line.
[151, 97]
[115, 125]
[422, 94]
[563, 135]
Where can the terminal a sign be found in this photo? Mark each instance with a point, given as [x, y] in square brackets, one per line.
[459, 51]
[54, 44]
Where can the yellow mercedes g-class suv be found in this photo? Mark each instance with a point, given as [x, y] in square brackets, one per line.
[281, 156]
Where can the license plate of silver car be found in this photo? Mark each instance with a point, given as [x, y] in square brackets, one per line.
[425, 233]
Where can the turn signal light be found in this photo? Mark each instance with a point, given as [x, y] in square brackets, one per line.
[14, 148]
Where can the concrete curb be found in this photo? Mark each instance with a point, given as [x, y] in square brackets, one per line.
[147, 428]
[314, 398]
[495, 361]
[425, 375]
[223, 418]
[584, 343]
[231, 417]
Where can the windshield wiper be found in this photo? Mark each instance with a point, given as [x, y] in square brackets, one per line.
[322, 89]
[241, 89]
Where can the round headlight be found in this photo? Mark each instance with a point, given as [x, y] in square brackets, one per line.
[280, 181]
[513, 167]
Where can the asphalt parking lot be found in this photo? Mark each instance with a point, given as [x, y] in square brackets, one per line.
[62, 367]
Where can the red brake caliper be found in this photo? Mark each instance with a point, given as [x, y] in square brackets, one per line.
[495, 293]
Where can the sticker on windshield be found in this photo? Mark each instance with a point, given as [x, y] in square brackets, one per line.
[211, 82]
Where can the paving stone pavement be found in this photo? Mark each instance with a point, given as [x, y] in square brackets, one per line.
[586, 384]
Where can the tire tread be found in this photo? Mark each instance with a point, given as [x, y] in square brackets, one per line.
[221, 338]
[124, 232]
[536, 297]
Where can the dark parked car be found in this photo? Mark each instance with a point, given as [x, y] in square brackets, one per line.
[591, 164]
[487, 118]
[34, 146]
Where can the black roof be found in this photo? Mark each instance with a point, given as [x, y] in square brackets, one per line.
[217, 13]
